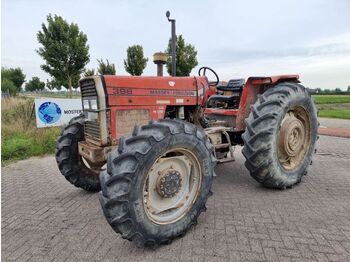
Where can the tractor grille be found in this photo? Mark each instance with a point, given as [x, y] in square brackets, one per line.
[92, 128]
[88, 89]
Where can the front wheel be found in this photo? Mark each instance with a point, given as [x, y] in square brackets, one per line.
[73, 166]
[280, 136]
[157, 182]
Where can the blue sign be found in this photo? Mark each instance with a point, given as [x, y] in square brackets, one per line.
[49, 112]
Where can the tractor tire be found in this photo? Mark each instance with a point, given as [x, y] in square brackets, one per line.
[127, 197]
[70, 163]
[280, 135]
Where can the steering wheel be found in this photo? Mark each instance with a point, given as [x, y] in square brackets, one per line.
[204, 69]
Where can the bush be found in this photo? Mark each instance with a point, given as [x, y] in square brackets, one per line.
[8, 86]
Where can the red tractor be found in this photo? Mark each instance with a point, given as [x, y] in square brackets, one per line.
[150, 144]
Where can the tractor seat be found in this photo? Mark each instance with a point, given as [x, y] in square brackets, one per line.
[234, 85]
[228, 96]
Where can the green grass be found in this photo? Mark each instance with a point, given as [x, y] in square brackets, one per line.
[331, 99]
[335, 113]
[20, 146]
[20, 139]
[333, 106]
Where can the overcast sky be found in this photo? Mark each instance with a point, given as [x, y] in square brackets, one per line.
[238, 38]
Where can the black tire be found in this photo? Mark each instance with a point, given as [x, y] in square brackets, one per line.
[127, 169]
[70, 162]
[262, 128]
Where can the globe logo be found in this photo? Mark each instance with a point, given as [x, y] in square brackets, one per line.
[49, 112]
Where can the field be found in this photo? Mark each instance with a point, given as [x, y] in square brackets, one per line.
[334, 106]
[20, 138]
[50, 94]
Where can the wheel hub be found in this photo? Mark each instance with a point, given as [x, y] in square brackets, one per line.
[169, 183]
[172, 186]
[292, 136]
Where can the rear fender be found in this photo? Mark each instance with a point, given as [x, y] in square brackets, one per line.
[253, 87]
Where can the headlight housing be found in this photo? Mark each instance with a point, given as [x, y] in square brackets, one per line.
[90, 104]
[93, 104]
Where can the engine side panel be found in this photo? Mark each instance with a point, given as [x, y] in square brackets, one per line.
[137, 91]
[137, 99]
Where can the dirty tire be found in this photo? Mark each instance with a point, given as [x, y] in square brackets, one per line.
[261, 134]
[122, 183]
[69, 161]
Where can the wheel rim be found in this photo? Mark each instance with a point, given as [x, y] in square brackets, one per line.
[293, 138]
[172, 186]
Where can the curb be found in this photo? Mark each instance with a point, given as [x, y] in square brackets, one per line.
[333, 131]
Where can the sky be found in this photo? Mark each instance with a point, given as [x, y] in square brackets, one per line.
[237, 38]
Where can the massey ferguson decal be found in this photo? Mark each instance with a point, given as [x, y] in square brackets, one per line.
[151, 92]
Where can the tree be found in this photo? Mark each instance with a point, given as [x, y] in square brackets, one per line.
[53, 84]
[49, 85]
[64, 49]
[7, 86]
[15, 75]
[135, 61]
[35, 84]
[337, 90]
[74, 82]
[105, 68]
[348, 88]
[58, 87]
[89, 72]
[186, 57]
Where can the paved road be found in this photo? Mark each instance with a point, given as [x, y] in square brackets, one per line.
[44, 218]
[334, 127]
[334, 122]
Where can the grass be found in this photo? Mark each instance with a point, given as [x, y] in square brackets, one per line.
[335, 113]
[331, 99]
[333, 106]
[20, 138]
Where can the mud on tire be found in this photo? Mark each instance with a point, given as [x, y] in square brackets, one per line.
[70, 162]
[262, 131]
[122, 183]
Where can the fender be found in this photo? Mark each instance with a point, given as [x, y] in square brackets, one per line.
[253, 87]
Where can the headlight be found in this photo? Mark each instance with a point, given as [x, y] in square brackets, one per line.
[90, 104]
[86, 104]
[93, 104]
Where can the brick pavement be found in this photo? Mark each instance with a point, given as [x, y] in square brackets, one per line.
[46, 219]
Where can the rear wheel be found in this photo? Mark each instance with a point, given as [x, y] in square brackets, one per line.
[157, 182]
[280, 136]
[77, 170]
